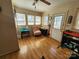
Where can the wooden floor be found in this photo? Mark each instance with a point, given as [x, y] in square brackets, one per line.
[35, 47]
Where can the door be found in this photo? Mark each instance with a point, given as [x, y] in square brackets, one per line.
[57, 27]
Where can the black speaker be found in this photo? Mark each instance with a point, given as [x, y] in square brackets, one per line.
[70, 19]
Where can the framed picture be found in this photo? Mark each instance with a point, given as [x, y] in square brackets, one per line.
[70, 19]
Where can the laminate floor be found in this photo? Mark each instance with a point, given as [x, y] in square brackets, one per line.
[35, 47]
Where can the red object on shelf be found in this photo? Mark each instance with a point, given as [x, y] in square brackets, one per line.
[72, 33]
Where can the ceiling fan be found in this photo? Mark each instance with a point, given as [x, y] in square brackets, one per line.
[44, 1]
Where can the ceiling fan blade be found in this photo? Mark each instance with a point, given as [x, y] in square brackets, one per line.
[46, 2]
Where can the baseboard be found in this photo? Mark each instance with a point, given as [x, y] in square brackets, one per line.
[9, 51]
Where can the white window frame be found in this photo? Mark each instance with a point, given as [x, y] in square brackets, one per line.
[20, 19]
[37, 20]
[46, 20]
[77, 20]
[58, 22]
[34, 18]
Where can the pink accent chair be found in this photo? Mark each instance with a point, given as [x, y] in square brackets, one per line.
[36, 31]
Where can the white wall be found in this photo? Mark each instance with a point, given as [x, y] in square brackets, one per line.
[8, 40]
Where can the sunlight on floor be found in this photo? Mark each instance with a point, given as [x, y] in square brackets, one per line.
[23, 49]
[38, 43]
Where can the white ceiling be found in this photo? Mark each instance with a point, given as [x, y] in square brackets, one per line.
[42, 7]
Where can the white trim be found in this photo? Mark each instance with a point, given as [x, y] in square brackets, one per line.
[9, 51]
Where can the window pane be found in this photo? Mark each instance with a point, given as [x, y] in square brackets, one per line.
[77, 21]
[20, 19]
[37, 20]
[45, 22]
[57, 22]
[30, 20]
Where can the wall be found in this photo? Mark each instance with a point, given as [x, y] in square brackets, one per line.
[8, 39]
[66, 9]
[26, 11]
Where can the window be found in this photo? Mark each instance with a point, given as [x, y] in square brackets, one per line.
[37, 20]
[77, 21]
[45, 22]
[34, 20]
[57, 22]
[30, 20]
[20, 19]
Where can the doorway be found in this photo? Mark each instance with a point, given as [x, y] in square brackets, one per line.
[57, 28]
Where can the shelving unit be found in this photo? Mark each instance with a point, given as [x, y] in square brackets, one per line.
[70, 40]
